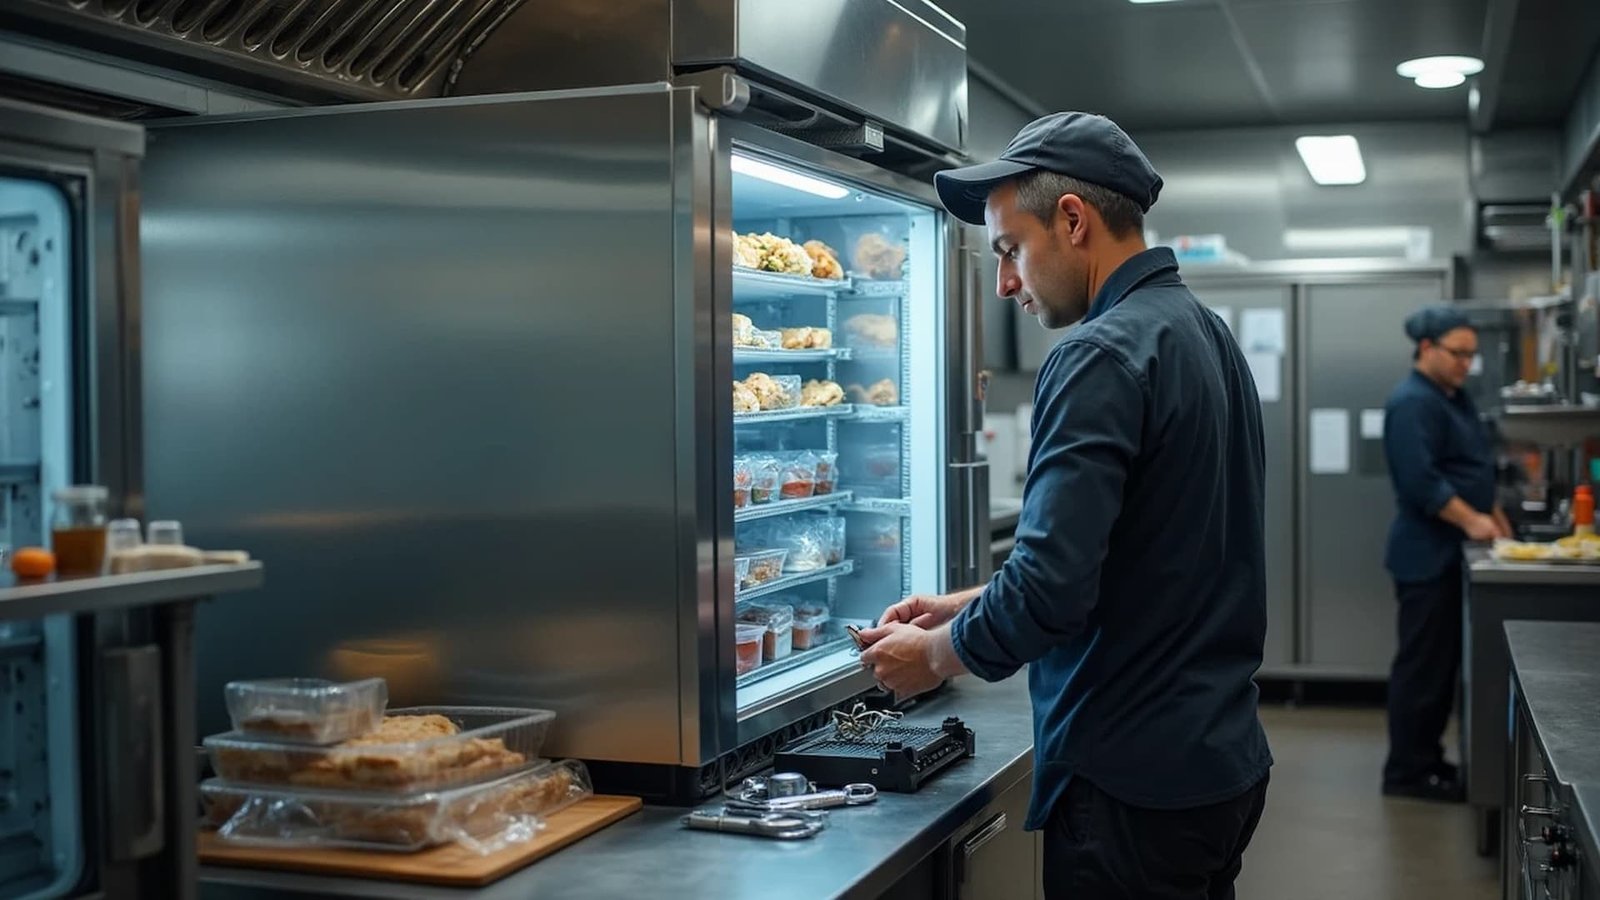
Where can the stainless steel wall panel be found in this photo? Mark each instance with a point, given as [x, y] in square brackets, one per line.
[1356, 351]
[422, 355]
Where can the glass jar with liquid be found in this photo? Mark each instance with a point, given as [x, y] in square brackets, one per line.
[78, 534]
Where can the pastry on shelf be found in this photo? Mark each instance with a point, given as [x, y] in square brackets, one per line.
[744, 331]
[824, 261]
[821, 393]
[744, 399]
[771, 253]
[879, 393]
[779, 392]
[807, 338]
[876, 257]
[873, 329]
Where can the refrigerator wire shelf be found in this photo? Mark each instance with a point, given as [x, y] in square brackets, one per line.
[754, 284]
[793, 414]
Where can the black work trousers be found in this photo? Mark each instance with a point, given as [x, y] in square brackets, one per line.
[1098, 848]
[1423, 680]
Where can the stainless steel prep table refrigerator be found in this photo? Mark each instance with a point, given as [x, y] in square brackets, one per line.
[467, 365]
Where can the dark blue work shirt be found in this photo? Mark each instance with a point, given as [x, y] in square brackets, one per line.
[1437, 448]
[1137, 588]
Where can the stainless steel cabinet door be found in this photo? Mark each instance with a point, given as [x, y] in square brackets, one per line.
[994, 859]
[1273, 371]
[1354, 351]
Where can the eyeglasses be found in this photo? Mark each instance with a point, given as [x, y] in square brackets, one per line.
[1460, 355]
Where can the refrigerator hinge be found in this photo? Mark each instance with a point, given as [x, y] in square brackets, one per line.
[719, 89]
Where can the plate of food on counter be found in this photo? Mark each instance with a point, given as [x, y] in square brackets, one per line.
[1570, 550]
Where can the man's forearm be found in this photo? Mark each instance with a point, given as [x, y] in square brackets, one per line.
[963, 598]
[1458, 513]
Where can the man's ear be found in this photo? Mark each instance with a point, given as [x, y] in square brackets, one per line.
[1072, 213]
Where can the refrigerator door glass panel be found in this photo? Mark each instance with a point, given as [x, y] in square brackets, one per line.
[849, 279]
[38, 735]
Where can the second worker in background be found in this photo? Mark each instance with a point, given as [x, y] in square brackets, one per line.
[1137, 587]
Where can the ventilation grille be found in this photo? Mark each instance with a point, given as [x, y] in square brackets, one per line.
[391, 47]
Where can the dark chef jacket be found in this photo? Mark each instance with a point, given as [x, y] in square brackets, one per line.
[1137, 588]
[1437, 448]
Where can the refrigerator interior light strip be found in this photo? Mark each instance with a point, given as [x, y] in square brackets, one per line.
[788, 178]
[1332, 158]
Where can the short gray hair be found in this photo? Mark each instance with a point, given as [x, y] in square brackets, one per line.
[1039, 190]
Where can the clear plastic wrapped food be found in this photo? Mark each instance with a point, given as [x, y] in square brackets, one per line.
[821, 392]
[741, 570]
[827, 471]
[744, 399]
[766, 566]
[744, 331]
[880, 393]
[806, 541]
[824, 261]
[747, 649]
[764, 479]
[809, 618]
[415, 749]
[767, 340]
[306, 710]
[742, 478]
[797, 479]
[875, 256]
[833, 531]
[806, 337]
[483, 817]
[774, 391]
[778, 620]
[872, 330]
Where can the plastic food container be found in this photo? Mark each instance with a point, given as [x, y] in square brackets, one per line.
[747, 640]
[808, 621]
[798, 479]
[766, 566]
[763, 480]
[306, 710]
[742, 479]
[833, 530]
[807, 543]
[484, 816]
[827, 472]
[741, 570]
[778, 620]
[420, 748]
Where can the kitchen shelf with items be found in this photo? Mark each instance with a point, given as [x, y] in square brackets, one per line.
[753, 284]
[789, 582]
[789, 507]
[750, 356]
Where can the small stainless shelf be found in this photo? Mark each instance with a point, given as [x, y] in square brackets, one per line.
[754, 284]
[864, 287]
[792, 414]
[785, 507]
[882, 506]
[30, 600]
[865, 413]
[831, 643]
[790, 582]
[748, 356]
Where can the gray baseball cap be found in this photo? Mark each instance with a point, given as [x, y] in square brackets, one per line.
[1080, 145]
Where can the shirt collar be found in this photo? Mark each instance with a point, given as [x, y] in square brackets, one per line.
[1458, 397]
[1134, 271]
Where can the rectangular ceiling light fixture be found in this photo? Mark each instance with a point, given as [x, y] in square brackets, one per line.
[1332, 158]
[789, 178]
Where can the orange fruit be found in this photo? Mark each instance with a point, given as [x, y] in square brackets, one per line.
[33, 562]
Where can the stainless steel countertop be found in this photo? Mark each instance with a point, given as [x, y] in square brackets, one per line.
[1485, 570]
[1557, 669]
[861, 854]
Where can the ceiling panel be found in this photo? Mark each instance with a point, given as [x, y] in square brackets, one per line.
[1179, 65]
[1171, 66]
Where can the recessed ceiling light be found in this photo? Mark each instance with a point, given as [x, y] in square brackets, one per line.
[1332, 158]
[1440, 79]
[1463, 65]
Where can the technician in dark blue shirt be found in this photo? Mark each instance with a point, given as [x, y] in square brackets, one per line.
[1136, 592]
[1442, 465]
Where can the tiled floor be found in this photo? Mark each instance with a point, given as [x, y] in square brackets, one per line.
[1329, 833]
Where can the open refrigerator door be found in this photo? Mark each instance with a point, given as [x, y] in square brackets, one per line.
[838, 358]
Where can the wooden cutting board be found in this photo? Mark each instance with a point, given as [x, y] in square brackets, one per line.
[451, 864]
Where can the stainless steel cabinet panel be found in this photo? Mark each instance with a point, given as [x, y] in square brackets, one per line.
[1278, 427]
[424, 353]
[1354, 352]
[993, 858]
